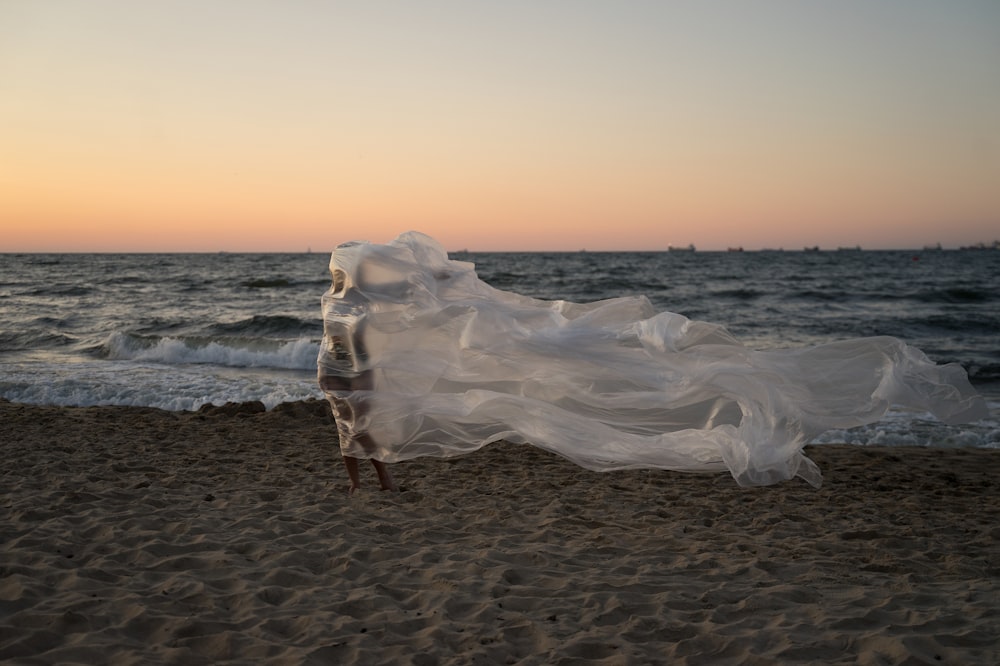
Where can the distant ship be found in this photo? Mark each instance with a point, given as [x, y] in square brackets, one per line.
[814, 248]
[689, 248]
[982, 246]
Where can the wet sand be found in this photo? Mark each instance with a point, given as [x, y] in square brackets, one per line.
[133, 535]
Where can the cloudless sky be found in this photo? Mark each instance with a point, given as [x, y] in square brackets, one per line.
[518, 125]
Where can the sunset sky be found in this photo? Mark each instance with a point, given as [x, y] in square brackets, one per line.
[518, 125]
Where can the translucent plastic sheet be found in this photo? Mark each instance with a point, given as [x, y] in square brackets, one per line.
[422, 358]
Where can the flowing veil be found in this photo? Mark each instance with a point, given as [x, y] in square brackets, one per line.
[422, 358]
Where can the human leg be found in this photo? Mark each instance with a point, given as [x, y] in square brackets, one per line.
[384, 475]
[351, 463]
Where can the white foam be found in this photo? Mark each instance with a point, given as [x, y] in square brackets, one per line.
[168, 387]
[903, 427]
[297, 354]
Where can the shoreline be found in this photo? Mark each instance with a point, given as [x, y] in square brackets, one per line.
[225, 535]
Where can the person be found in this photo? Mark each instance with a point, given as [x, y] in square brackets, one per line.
[342, 369]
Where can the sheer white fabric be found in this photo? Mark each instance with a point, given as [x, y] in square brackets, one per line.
[422, 358]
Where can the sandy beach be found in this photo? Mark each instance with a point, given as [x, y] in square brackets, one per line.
[139, 536]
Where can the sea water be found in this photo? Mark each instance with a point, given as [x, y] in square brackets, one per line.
[178, 331]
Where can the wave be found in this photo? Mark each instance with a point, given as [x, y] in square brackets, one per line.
[60, 291]
[982, 373]
[816, 295]
[939, 296]
[901, 427]
[739, 294]
[138, 384]
[16, 341]
[268, 283]
[264, 325]
[955, 295]
[285, 283]
[298, 354]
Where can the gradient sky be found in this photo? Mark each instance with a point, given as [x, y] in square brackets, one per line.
[517, 125]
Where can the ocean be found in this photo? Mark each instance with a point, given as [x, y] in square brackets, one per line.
[178, 331]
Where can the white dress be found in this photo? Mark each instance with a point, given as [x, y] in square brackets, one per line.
[422, 358]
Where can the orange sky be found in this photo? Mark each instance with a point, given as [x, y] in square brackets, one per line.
[256, 126]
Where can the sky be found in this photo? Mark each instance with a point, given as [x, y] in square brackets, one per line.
[165, 126]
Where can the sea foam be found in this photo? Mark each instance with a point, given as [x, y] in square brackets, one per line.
[145, 384]
[299, 354]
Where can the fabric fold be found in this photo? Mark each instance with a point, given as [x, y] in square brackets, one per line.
[422, 358]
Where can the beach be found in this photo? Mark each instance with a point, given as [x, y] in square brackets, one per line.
[225, 535]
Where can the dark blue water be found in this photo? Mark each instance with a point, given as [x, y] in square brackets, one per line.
[946, 303]
[181, 330]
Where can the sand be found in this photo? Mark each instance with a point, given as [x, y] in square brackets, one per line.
[140, 536]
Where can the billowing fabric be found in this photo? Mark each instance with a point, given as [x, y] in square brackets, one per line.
[422, 358]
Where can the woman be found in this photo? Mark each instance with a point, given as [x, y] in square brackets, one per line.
[342, 369]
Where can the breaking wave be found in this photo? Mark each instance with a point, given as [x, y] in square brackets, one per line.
[298, 354]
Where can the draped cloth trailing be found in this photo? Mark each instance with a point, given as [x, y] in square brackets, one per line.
[422, 358]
